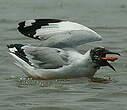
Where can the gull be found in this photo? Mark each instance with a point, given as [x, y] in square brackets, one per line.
[56, 58]
[54, 63]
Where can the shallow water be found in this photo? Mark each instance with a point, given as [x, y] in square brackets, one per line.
[107, 17]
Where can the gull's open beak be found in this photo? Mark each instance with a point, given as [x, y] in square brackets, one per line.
[110, 59]
[110, 52]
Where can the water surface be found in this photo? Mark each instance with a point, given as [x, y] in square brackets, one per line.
[107, 17]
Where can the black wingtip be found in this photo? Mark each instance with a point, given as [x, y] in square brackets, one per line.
[15, 45]
[18, 51]
[29, 27]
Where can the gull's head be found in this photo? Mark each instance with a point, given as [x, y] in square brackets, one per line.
[98, 56]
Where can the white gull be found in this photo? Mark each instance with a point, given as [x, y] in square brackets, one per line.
[52, 60]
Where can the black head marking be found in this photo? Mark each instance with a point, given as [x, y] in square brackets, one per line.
[98, 53]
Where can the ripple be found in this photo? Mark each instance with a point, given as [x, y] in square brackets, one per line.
[49, 108]
[117, 94]
[15, 98]
[6, 21]
[6, 105]
[94, 100]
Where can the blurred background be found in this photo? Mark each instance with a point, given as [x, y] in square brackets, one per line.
[106, 17]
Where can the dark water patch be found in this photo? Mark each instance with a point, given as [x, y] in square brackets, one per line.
[24, 104]
[6, 106]
[62, 90]
[48, 91]
[50, 108]
[123, 6]
[94, 100]
[117, 95]
[6, 21]
[95, 86]
[101, 80]
[15, 98]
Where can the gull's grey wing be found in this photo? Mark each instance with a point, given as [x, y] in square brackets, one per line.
[45, 57]
[58, 33]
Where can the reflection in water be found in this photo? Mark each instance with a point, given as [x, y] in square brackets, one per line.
[27, 82]
[101, 80]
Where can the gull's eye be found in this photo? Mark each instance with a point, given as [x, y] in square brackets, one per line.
[98, 51]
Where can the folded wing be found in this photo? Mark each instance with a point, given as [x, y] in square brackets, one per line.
[40, 57]
[58, 33]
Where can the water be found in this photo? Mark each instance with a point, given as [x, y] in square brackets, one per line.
[107, 17]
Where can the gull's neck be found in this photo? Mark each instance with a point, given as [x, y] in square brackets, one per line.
[87, 56]
[87, 60]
